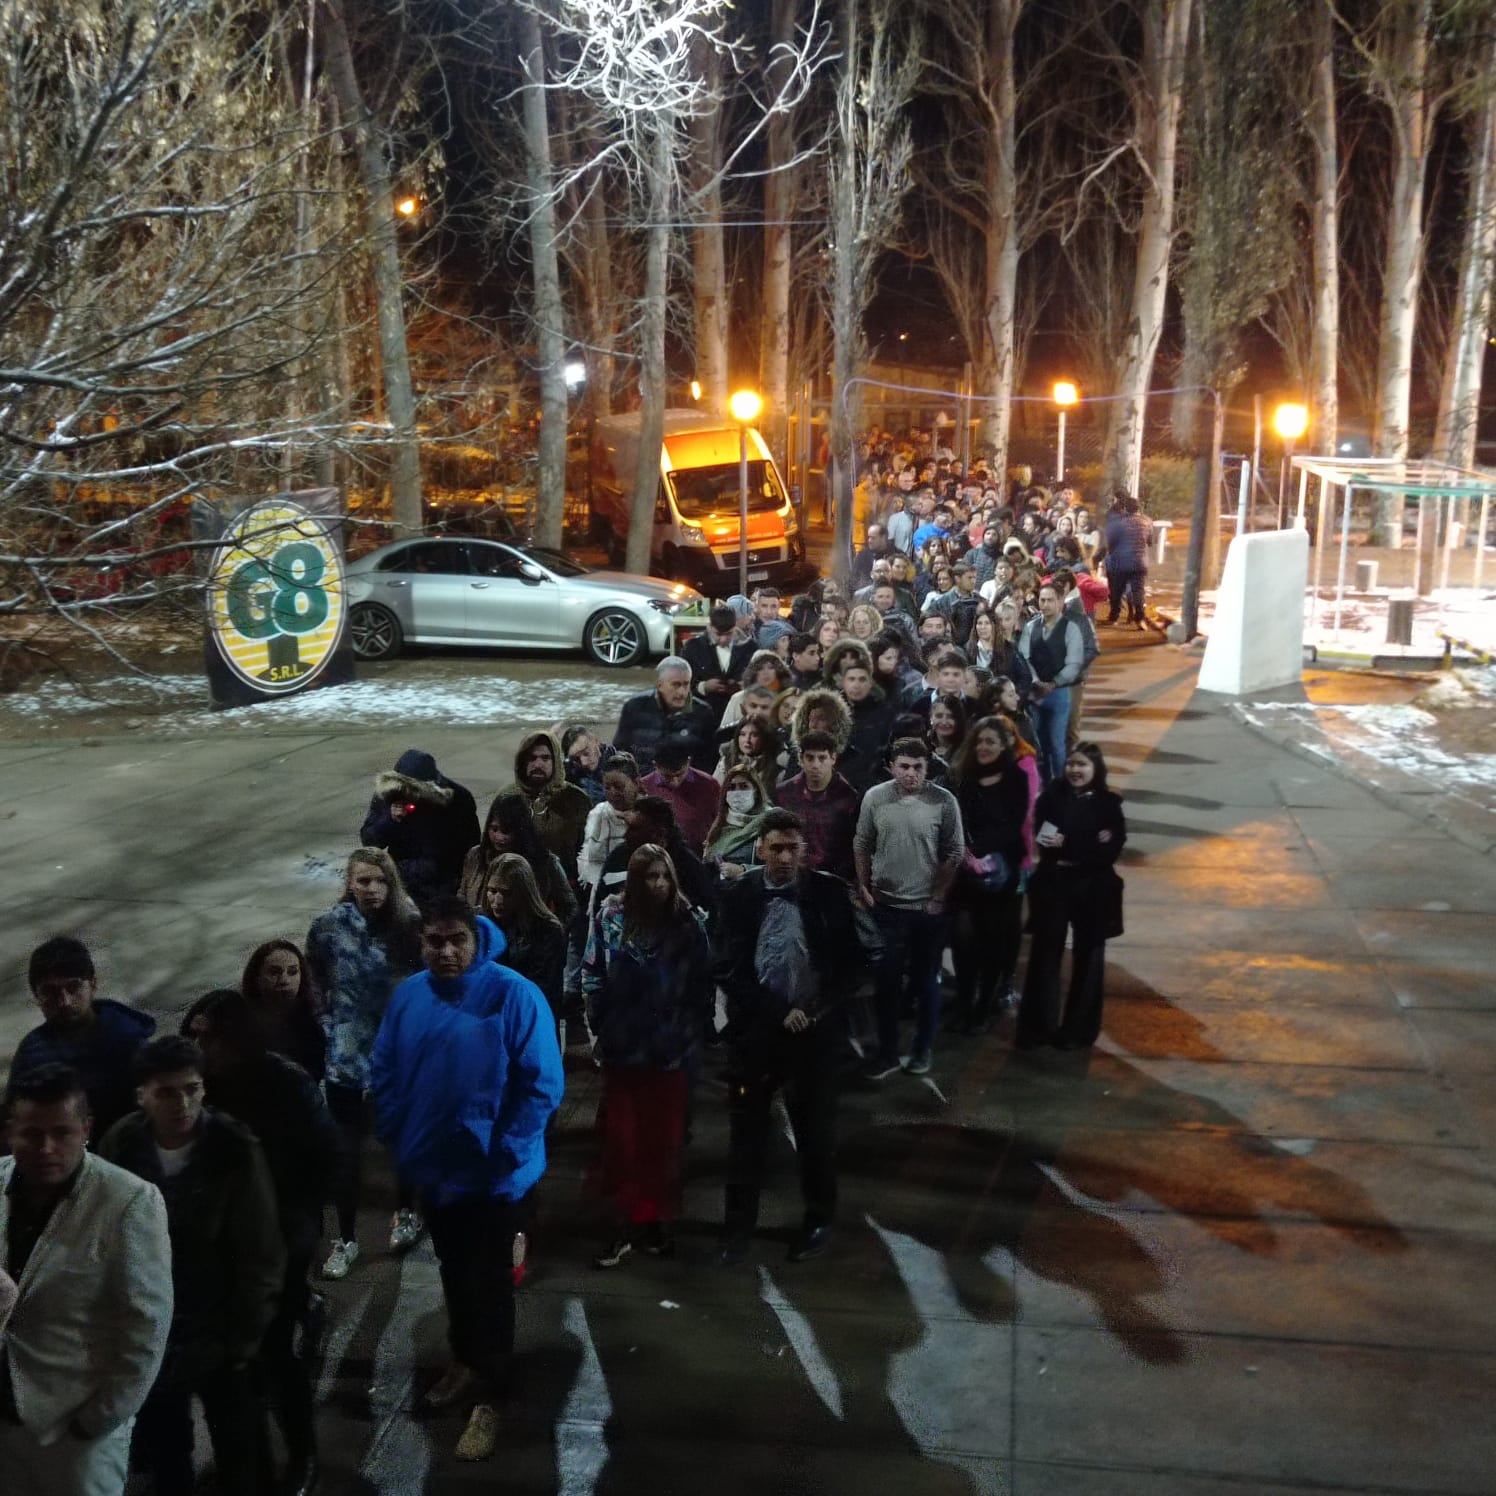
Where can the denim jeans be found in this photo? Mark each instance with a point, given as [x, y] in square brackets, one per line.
[913, 944]
[1051, 716]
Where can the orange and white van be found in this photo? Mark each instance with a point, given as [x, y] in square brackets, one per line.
[696, 517]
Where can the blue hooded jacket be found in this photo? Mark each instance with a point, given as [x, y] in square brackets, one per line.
[466, 1074]
[101, 1053]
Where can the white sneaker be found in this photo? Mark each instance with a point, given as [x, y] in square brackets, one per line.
[405, 1230]
[342, 1257]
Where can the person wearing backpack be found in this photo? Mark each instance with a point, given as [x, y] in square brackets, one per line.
[1055, 651]
[1075, 611]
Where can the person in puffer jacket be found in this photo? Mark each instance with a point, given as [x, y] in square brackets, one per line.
[425, 821]
[650, 1001]
[1128, 535]
[466, 1075]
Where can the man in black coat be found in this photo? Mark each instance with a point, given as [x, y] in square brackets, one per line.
[281, 1104]
[667, 712]
[786, 951]
[717, 659]
[227, 1267]
[425, 821]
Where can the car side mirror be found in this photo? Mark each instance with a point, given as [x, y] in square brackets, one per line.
[530, 574]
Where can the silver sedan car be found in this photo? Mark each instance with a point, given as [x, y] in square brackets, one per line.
[461, 590]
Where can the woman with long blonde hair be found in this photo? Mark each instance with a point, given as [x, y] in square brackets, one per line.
[359, 951]
[534, 938]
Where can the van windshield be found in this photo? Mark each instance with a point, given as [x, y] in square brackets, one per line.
[701, 493]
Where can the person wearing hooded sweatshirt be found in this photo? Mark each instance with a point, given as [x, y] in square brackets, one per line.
[89, 1034]
[425, 821]
[466, 1074]
[560, 807]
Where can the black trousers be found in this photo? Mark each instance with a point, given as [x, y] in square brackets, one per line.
[1128, 584]
[1042, 1017]
[351, 1113]
[162, 1441]
[804, 1066]
[286, 1358]
[474, 1243]
[988, 928]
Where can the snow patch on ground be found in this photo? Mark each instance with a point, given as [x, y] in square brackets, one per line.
[178, 704]
[1399, 736]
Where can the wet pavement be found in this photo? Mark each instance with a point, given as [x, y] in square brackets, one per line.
[1244, 1246]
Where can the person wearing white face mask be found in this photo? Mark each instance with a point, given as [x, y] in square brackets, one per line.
[730, 844]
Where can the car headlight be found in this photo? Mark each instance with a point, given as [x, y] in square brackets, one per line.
[664, 605]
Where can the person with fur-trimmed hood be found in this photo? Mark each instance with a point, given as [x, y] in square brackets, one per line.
[559, 806]
[425, 821]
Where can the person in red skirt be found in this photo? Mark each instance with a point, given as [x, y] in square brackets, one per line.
[650, 998]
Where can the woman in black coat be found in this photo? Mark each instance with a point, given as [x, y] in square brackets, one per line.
[1080, 834]
[995, 797]
[535, 940]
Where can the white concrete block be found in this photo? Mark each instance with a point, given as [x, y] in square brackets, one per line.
[1257, 639]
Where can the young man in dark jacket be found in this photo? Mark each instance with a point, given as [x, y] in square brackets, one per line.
[425, 821]
[281, 1104]
[1128, 535]
[466, 1075]
[89, 1034]
[786, 952]
[227, 1264]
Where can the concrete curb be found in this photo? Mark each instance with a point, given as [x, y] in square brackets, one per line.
[1471, 825]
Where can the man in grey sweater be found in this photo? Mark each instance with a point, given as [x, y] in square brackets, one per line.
[907, 850]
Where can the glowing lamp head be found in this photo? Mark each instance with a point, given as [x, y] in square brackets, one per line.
[1065, 393]
[574, 372]
[1291, 421]
[696, 389]
[745, 406]
[407, 207]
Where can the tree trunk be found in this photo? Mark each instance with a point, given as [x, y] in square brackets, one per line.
[1166, 29]
[779, 194]
[1403, 266]
[550, 496]
[1464, 360]
[709, 288]
[846, 307]
[1001, 248]
[384, 255]
[652, 310]
[1324, 373]
[601, 329]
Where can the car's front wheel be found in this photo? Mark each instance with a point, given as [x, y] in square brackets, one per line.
[614, 638]
[375, 632]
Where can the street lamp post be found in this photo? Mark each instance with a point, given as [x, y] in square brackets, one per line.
[744, 406]
[1065, 395]
[1290, 421]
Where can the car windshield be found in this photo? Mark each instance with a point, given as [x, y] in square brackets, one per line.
[563, 566]
[701, 493]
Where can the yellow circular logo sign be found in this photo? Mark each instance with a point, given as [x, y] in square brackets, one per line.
[275, 596]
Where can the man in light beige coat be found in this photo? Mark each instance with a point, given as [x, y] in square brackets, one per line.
[86, 1245]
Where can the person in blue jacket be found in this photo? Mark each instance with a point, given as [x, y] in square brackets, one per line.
[466, 1074]
[88, 1033]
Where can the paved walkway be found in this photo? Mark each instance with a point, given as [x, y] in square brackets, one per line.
[1245, 1246]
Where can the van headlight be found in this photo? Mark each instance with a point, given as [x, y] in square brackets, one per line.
[791, 522]
[693, 533]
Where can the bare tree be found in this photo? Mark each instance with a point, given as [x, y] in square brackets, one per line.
[868, 178]
[780, 191]
[156, 297]
[1156, 97]
[1323, 371]
[545, 269]
[1464, 360]
[384, 251]
[709, 257]
[635, 65]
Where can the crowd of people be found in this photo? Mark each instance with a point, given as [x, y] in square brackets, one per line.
[758, 872]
